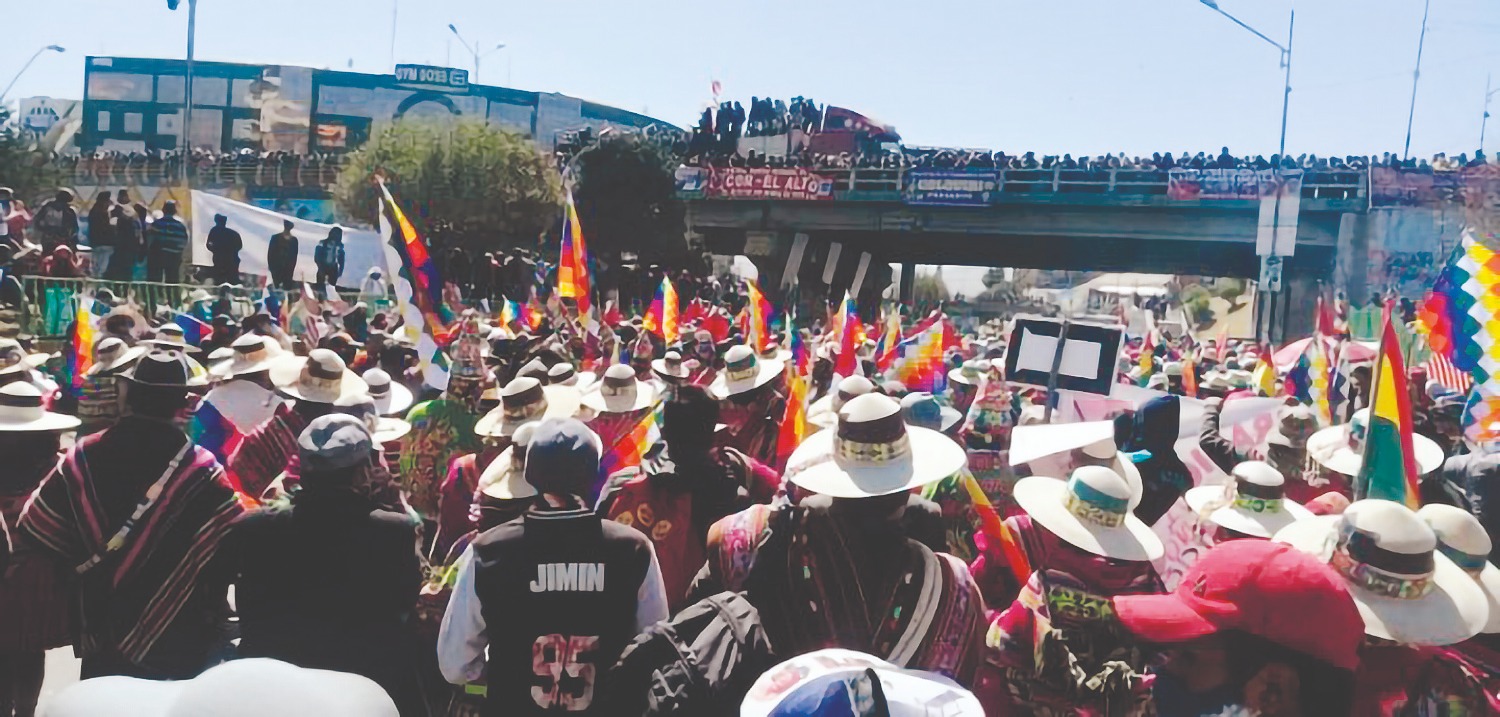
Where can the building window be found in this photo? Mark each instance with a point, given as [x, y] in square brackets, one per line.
[210, 91]
[133, 122]
[169, 123]
[123, 86]
[102, 124]
[207, 131]
[169, 89]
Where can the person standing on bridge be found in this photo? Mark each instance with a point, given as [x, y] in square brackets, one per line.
[225, 244]
[281, 256]
[329, 256]
[165, 241]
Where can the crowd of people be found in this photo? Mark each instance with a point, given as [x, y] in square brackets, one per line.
[245, 166]
[604, 521]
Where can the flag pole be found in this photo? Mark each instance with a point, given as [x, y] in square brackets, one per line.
[1361, 487]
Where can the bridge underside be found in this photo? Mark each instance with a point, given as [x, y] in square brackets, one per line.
[1206, 241]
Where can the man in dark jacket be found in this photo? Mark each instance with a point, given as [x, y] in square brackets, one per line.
[328, 582]
[128, 242]
[1164, 478]
[56, 222]
[225, 244]
[328, 255]
[166, 239]
[281, 256]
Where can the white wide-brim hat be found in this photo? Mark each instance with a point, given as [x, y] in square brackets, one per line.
[501, 481]
[555, 402]
[389, 430]
[246, 357]
[390, 398]
[1062, 507]
[124, 358]
[1455, 610]
[677, 368]
[319, 377]
[21, 411]
[1239, 516]
[218, 691]
[872, 453]
[744, 371]
[838, 681]
[618, 393]
[1463, 539]
[1334, 448]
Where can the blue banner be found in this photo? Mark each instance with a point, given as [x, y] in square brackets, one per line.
[960, 189]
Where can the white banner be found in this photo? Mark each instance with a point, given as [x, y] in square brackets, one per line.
[362, 247]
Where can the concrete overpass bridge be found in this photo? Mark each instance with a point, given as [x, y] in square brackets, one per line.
[1112, 220]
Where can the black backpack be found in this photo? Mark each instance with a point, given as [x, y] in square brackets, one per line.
[701, 662]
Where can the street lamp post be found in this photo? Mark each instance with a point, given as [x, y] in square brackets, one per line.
[477, 55]
[1488, 94]
[1267, 319]
[27, 66]
[187, 85]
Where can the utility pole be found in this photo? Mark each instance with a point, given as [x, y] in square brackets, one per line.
[1416, 74]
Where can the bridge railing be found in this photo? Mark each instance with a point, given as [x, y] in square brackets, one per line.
[886, 184]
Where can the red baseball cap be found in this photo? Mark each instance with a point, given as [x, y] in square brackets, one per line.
[1270, 590]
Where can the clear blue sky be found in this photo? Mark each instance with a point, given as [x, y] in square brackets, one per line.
[1054, 76]
[1080, 76]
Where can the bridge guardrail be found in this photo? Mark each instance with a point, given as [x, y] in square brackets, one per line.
[886, 184]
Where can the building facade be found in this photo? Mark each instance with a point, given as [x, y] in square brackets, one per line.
[136, 104]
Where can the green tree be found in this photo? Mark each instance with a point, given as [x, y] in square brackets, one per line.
[627, 200]
[473, 184]
[24, 168]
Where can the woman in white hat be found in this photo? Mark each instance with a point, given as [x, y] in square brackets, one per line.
[503, 493]
[35, 602]
[243, 400]
[1083, 546]
[1464, 540]
[314, 383]
[1412, 597]
[99, 397]
[616, 404]
[391, 398]
[824, 412]
[669, 371]
[1253, 504]
[1339, 451]
[964, 382]
[752, 401]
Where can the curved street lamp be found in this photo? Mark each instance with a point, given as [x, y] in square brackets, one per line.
[34, 55]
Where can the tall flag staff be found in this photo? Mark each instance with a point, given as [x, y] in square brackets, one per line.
[419, 298]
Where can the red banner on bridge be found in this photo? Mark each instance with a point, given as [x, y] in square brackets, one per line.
[766, 183]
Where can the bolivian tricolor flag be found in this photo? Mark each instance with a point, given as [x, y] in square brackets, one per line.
[1389, 470]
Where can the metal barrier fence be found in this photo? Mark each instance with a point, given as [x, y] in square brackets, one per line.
[53, 302]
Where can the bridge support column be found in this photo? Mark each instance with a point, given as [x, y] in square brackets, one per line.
[908, 290]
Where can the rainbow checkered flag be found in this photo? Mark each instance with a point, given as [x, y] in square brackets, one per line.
[418, 323]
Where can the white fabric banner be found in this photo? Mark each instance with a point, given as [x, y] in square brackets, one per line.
[362, 247]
